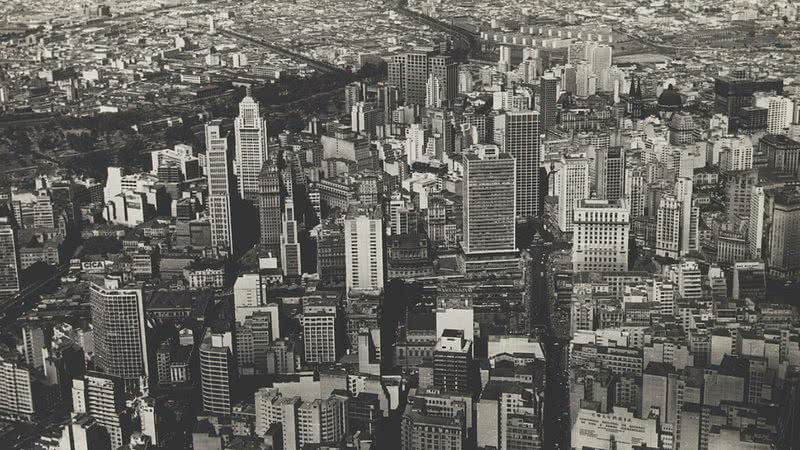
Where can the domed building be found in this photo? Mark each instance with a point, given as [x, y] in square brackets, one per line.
[669, 102]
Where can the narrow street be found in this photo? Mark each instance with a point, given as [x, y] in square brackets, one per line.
[556, 408]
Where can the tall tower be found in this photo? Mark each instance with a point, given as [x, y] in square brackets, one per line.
[548, 97]
[119, 331]
[319, 330]
[363, 244]
[251, 147]
[219, 193]
[216, 371]
[489, 200]
[9, 260]
[755, 227]
[290, 246]
[269, 208]
[668, 226]
[520, 137]
[573, 185]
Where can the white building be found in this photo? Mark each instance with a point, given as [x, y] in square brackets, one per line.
[600, 236]
[219, 194]
[251, 147]
[779, 111]
[363, 236]
[573, 185]
[620, 430]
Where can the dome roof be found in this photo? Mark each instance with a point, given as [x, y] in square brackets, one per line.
[670, 98]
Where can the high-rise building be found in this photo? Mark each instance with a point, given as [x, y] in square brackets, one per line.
[331, 265]
[489, 200]
[779, 111]
[103, 397]
[609, 172]
[410, 72]
[420, 430]
[668, 226]
[548, 97]
[9, 260]
[755, 226]
[118, 321]
[17, 396]
[635, 190]
[33, 343]
[749, 281]
[269, 208]
[452, 358]
[290, 246]
[783, 259]
[690, 216]
[251, 147]
[217, 371]
[733, 93]
[519, 136]
[573, 185]
[219, 193]
[363, 246]
[319, 330]
[600, 237]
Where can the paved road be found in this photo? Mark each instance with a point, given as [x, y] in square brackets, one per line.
[556, 424]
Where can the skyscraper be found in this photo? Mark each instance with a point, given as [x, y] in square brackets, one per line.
[17, 396]
[363, 245]
[9, 260]
[573, 185]
[290, 246]
[755, 226]
[489, 200]
[217, 371]
[609, 172]
[548, 96]
[600, 241]
[319, 330]
[219, 193]
[409, 73]
[520, 137]
[269, 208]
[119, 331]
[251, 147]
[784, 234]
[668, 226]
[489, 205]
[103, 397]
[452, 358]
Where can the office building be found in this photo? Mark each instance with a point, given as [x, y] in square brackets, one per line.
[452, 360]
[363, 246]
[517, 133]
[118, 321]
[421, 431]
[755, 226]
[489, 201]
[9, 261]
[779, 111]
[609, 172]
[600, 236]
[783, 153]
[269, 209]
[732, 93]
[103, 398]
[783, 259]
[749, 281]
[319, 330]
[548, 97]
[573, 185]
[668, 226]
[17, 391]
[219, 193]
[250, 131]
[290, 246]
[217, 371]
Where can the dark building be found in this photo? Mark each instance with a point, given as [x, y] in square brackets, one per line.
[548, 98]
[330, 255]
[269, 209]
[752, 119]
[731, 94]
[610, 172]
[364, 413]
